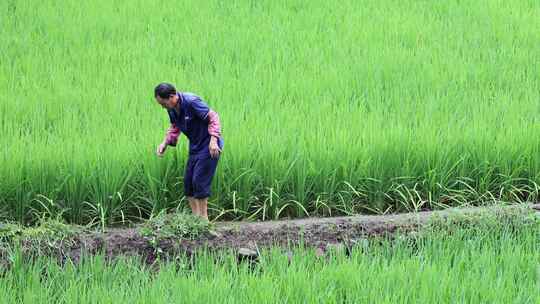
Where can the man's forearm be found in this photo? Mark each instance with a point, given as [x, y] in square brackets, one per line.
[214, 126]
[172, 136]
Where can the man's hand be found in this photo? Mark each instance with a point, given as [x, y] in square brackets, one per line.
[214, 148]
[161, 149]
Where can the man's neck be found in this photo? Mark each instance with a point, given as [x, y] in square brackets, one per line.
[178, 102]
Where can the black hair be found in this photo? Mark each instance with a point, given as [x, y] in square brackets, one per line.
[164, 90]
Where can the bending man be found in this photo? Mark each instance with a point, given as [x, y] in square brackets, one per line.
[190, 115]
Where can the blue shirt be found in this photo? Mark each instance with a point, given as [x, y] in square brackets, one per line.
[190, 116]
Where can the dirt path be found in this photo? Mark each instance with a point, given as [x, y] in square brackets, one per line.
[312, 232]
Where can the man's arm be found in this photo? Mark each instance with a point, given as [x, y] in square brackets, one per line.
[214, 126]
[171, 138]
[201, 110]
[214, 129]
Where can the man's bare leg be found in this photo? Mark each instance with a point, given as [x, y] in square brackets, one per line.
[203, 207]
[194, 204]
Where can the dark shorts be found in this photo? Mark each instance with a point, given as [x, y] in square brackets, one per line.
[198, 176]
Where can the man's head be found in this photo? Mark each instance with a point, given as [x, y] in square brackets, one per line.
[165, 94]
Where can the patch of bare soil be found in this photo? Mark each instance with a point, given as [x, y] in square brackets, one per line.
[309, 232]
[248, 237]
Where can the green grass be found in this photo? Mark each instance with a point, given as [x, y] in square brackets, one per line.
[498, 265]
[326, 109]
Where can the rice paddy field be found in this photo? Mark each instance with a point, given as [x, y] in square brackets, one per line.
[327, 108]
[498, 265]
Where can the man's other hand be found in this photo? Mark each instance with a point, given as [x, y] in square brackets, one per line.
[161, 149]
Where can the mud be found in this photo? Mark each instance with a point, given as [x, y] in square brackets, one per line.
[319, 233]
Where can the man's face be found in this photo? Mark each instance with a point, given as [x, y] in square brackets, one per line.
[167, 103]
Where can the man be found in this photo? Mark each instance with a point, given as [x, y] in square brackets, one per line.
[190, 115]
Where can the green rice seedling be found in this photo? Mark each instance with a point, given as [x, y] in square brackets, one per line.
[497, 265]
[339, 109]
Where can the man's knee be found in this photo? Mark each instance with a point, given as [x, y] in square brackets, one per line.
[199, 190]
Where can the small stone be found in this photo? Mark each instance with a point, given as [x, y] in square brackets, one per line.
[247, 252]
[248, 255]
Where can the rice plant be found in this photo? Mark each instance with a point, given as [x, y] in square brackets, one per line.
[495, 265]
[361, 106]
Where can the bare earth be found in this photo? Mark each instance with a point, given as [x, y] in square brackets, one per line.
[248, 237]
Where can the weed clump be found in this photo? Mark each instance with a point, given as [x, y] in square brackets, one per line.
[47, 230]
[178, 225]
[509, 219]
